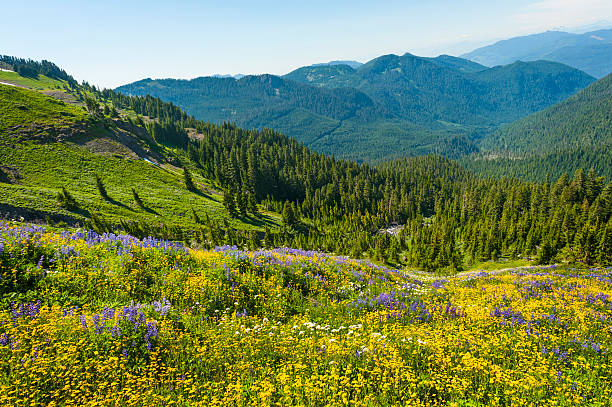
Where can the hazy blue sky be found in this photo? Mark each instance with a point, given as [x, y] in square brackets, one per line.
[111, 42]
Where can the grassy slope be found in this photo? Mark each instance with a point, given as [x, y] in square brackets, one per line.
[39, 168]
[20, 107]
[581, 120]
[40, 83]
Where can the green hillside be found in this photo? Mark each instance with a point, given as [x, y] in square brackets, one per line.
[580, 121]
[461, 64]
[390, 107]
[47, 144]
[540, 167]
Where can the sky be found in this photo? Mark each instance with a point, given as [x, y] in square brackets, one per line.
[109, 43]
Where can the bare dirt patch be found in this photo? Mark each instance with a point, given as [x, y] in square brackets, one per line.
[63, 96]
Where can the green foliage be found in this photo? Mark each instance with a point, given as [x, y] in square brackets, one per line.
[188, 180]
[93, 107]
[450, 218]
[32, 69]
[229, 203]
[20, 107]
[582, 121]
[538, 167]
[195, 216]
[290, 218]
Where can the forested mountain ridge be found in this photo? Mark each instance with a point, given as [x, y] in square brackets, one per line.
[391, 106]
[575, 133]
[590, 52]
[452, 219]
[582, 120]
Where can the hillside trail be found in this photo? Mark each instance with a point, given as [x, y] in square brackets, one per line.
[428, 276]
[499, 271]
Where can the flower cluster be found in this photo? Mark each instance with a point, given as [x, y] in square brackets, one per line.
[146, 322]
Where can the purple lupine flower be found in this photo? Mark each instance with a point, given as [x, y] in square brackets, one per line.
[152, 329]
[108, 313]
[95, 319]
[124, 353]
[83, 320]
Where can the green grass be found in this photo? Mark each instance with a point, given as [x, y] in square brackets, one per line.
[44, 169]
[20, 107]
[41, 83]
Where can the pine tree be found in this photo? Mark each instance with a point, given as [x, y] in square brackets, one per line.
[268, 238]
[92, 106]
[242, 201]
[252, 205]
[254, 242]
[604, 256]
[188, 180]
[229, 203]
[289, 217]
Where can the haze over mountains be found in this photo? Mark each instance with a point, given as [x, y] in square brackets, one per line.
[390, 106]
[590, 52]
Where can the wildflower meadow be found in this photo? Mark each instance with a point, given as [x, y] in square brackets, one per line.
[89, 319]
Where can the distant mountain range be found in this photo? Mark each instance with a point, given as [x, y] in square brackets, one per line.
[590, 52]
[390, 106]
[352, 64]
[237, 76]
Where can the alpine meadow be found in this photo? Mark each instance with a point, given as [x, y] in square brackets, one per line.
[398, 231]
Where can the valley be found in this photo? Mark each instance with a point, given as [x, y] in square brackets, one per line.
[393, 106]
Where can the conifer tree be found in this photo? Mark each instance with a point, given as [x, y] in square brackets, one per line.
[242, 201]
[268, 238]
[252, 205]
[188, 180]
[254, 242]
[229, 203]
[289, 217]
